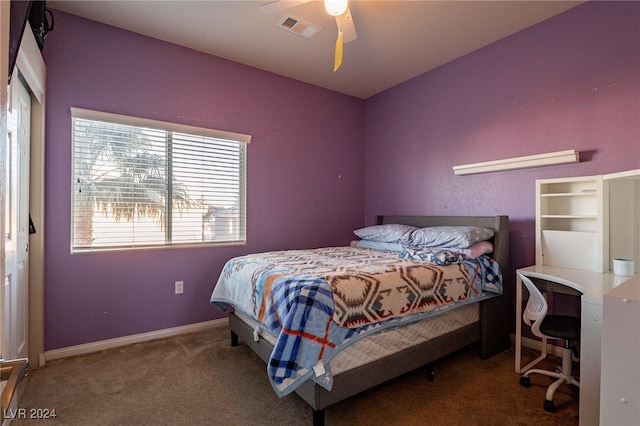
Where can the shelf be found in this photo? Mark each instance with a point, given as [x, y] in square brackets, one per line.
[571, 187]
[568, 216]
[575, 206]
[570, 194]
[559, 157]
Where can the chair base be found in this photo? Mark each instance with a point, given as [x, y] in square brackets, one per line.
[562, 377]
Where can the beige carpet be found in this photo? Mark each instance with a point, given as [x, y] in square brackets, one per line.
[198, 379]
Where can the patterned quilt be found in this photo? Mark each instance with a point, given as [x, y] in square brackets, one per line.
[319, 301]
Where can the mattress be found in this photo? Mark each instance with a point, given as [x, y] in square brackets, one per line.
[388, 341]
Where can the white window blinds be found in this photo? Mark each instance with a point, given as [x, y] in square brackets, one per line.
[144, 183]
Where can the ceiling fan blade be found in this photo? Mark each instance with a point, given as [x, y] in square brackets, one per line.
[279, 6]
[345, 22]
[338, 55]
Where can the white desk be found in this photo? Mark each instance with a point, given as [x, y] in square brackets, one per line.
[591, 286]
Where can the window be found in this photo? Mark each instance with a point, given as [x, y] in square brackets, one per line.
[146, 183]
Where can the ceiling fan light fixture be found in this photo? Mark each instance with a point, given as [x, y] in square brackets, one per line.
[335, 7]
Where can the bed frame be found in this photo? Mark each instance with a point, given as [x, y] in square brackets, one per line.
[490, 333]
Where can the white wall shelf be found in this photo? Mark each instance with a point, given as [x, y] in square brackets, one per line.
[537, 160]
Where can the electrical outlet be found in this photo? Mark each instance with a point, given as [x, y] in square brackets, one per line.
[179, 287]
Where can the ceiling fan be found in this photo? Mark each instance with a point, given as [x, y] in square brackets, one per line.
[338, 8]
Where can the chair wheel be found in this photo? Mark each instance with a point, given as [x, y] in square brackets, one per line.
[525, 381]
[550, 406]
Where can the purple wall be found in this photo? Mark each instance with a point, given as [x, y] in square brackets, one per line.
[305, 173]
[571, 82]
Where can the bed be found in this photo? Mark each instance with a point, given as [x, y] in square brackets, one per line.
[484, 323]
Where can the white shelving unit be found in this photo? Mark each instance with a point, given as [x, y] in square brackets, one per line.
[570, 223]
[585, 222]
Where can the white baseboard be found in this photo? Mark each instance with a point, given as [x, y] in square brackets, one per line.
[175, 331]
[128, 340]
[537, 345]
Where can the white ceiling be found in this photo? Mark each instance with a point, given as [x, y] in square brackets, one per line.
[397, 40]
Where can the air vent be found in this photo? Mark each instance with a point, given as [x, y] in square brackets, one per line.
[298, 27]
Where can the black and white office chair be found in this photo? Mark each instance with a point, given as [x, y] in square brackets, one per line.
[550, 327]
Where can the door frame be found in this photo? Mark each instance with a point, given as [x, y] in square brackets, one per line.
[33, 69]
[4, 78]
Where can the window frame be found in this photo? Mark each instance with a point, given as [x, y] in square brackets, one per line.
[242, 139]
